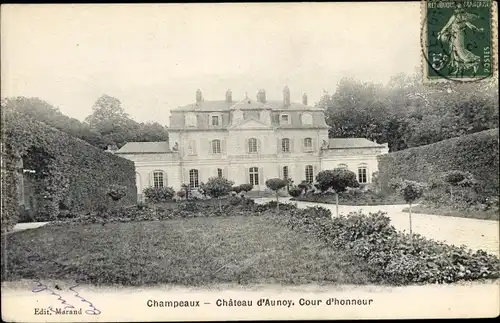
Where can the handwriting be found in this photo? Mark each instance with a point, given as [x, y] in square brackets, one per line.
[42, 287]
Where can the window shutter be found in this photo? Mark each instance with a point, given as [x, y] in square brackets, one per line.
[280, 171]
[313, 143]
[259, 146]
[262, 179]
[315, 172]
[279, 146]
[224, 173]
[210, 147]
[223, 144]
[247, 176]
[247, 146]
[291, 145]
[151, 179]
[165, 179]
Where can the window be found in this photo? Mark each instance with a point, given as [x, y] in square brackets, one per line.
[192, 147]
[285, 119]
[362, 170]
[309, 174]
[341, 166]
[216, 146]
[219, 172]
[285, 145]
[308, 143]
[158, 179]
[307, 119]
[252, 145]
[285, 172]
[215, 120]
[190, 120]
[193, 178]
[254, 175]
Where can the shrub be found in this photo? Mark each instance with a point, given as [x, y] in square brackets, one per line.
[477, 153]
[338, 180]
[117, 192]
[236, 189]
[246, 187]
[410, 191]
[295, 191]
[159, 194]
[181, 193]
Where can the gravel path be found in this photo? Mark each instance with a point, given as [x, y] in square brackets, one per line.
[474, 233]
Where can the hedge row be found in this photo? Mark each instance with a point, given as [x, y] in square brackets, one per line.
[71, 175]
[477, 153]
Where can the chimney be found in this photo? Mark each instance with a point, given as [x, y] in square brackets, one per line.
[229, 96]
[304, 99]
[261, 96]
[286, 96]
[199, 97]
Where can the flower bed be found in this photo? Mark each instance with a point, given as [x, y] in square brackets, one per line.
[388, 255]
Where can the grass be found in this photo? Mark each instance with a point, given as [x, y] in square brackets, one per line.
[362, 200]
[190, 252]
[471, 214]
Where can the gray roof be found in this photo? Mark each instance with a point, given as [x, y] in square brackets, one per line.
[245, 104]
[339, 143]
[144, 148]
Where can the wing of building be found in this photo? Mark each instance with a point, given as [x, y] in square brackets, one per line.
[248, 141]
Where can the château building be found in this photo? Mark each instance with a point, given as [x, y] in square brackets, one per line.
[248, 141]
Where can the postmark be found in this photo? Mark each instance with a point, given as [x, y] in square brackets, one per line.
[457, 42]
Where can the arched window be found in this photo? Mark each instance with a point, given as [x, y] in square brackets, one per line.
[157, 179]
[216, 146]
[362, 171]
[219, 172]
[254, 175]
[252, 145]
[307, 119]
[341, 166]
[309, 174]
[285, 145]
[193, 178]
[285, 172]
[308, 143]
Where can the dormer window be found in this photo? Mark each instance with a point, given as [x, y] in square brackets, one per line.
[215, 120]
[285, 119]
[190, 120]
[307, 119]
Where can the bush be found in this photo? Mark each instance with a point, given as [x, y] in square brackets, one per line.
[159, 194]
[391, 256]
[477, 153]
[295, 191]
[181, 193]
[117, 192]
[246, 187]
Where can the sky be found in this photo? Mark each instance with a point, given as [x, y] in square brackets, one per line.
[153, 58]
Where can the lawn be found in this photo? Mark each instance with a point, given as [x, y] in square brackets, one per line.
[194, 251]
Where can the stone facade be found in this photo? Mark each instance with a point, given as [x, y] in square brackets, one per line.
[248, 141]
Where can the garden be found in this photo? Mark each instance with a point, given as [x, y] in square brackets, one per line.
[231, 239]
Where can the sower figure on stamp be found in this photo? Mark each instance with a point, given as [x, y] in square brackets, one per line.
[453, 34]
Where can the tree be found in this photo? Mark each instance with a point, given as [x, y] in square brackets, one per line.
[410, 191]
[338, 180]
[275, 184]
[217, 187]
[246, 187]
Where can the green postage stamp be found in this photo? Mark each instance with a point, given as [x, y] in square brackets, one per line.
[457, 40]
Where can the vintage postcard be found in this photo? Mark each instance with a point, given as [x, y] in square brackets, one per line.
[249, 161]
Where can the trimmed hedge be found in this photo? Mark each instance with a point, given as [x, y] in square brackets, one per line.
[477, 153]
[71, 175]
